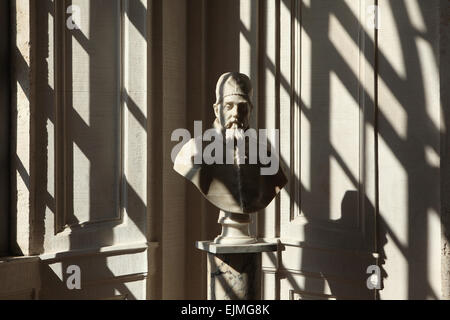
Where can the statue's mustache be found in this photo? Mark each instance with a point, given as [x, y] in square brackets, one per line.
[234, 122]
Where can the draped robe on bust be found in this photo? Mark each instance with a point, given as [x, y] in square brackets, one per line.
[235, 188]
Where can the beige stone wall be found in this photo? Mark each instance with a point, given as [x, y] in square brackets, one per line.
[109, 244]
[4, 126]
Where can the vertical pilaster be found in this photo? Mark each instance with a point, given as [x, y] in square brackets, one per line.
[4, 126]
[22, 13]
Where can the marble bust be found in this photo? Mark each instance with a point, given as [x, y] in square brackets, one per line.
[236, 187]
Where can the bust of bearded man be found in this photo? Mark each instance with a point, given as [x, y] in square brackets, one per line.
[238, 187]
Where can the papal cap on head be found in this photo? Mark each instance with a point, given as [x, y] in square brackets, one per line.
[233, 83]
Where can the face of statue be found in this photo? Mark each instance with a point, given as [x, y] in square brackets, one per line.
[234, 112]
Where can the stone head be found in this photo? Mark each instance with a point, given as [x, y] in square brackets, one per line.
[233, 105]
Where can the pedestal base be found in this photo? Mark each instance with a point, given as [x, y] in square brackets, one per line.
[235, 229]
[234, 271]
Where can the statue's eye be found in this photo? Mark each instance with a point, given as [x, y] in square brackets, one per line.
[228, 106]
[243, 107]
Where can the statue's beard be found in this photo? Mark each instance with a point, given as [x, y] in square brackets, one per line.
[235, 133]
[235, 138]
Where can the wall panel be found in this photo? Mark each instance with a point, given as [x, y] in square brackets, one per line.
[81, 154]
[320, 94]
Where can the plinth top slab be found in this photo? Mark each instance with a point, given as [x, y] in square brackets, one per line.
[214, 248]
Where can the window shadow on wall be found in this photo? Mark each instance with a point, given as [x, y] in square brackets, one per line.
[58, 127]
[410, 151]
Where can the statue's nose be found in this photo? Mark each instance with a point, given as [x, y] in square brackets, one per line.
[234, 111]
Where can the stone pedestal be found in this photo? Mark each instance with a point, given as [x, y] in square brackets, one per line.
[234, 271]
